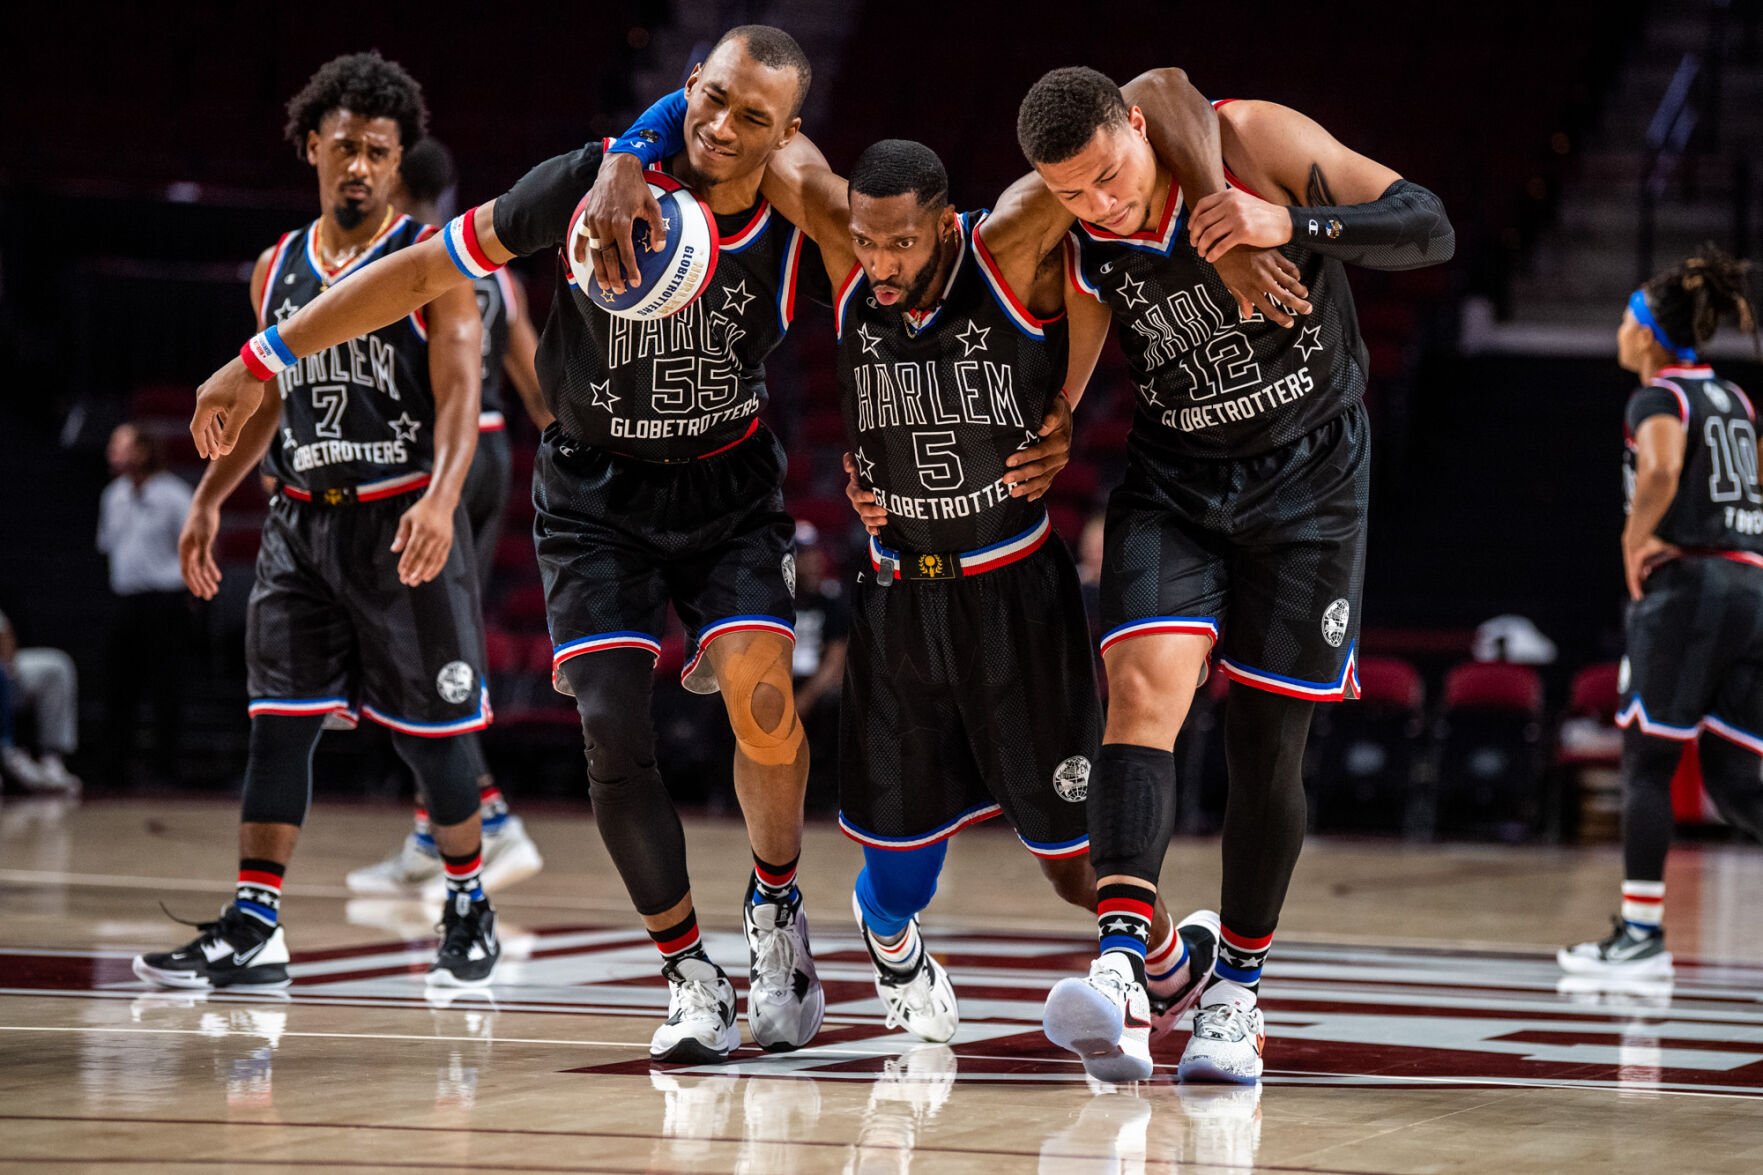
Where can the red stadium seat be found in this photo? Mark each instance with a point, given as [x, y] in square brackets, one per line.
[1494, 685]
[1488, 752]
[1361, 774]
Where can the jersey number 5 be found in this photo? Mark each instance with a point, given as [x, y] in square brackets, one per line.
[939, 468]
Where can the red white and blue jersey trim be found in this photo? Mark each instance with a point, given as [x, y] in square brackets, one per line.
[1743, 399]
[788, 276]
[1158, 240]
[389, 487]
[463, 247]
[276, 259]
[602, 641]
[355, 265]
[843, 299]
[1732, 734]
[296, 707]
[477, 721]
[755, 229]
[1002, 294]
[1339, 690]
[1636, 712]
[1057, 852]
[1206, 626]
[750, 623]
[917, 322]
[981, 559]
[1683, 401]
[944, 832]
[1074, 250]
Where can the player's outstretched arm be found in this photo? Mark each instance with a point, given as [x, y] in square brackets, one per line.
[1335, 200]
[520, 362]
[455, 356]
[382, 293]
[802, 185]
[1658, 464]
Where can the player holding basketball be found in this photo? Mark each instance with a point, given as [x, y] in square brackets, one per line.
[1241, 520]
[362, 602]
[1692, 551]
[509, 343]
[657, 483]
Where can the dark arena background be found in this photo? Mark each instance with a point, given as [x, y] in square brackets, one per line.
[1464, 814]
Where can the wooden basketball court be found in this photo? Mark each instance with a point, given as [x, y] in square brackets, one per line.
[1416, 1019]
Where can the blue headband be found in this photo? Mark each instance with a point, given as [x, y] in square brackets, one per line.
[1643, 314]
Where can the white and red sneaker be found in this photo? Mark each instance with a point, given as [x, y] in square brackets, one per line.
[1105, 1018]
[1228, 1039]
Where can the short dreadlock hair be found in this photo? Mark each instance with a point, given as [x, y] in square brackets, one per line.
[1062, 112]
[361, 83]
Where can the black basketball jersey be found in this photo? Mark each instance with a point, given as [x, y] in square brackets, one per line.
[1718, 506]
[495, 302]
[1209, 383]
[360, 414]
[935, 402]
[675, 387]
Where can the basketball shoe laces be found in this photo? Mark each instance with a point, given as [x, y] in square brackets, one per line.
[1220, 1022]
[914, 996]
[230, 927]
[459, 931]
[696, 997]
[774, 958]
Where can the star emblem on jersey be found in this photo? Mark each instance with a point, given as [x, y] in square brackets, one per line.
[1310, 341]
[288, 441]
[865, 466]
[1132, 291]
[286, 309]
[1149, 392]
[1030, 439]
[603, 397]
[405, 428]
[737, 298]
[973, 338]
[870, 342]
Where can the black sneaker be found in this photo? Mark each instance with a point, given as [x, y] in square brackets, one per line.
[231, 951]
[1199, 931]
[469, 949]
[1626, 951]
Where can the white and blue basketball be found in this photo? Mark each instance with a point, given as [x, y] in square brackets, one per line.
[672, 278]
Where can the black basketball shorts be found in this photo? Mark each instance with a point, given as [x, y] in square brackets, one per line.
[330, 630]
[1695, 652]
[1264, 555]
[968, 697]
[619, 538]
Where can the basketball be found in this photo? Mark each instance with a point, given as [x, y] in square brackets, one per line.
[672, 278]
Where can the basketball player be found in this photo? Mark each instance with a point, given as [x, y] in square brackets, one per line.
[657, 484]
[1692, 551]
[1241, 519]
[363, 603]
[425, 177]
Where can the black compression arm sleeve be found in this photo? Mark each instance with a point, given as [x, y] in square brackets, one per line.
[1405, 228]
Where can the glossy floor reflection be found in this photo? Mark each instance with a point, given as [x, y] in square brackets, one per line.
[1416, 1021]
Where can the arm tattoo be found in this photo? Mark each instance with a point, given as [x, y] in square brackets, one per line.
[1316, 193]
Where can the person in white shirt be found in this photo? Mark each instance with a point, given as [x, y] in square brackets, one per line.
[139, 518]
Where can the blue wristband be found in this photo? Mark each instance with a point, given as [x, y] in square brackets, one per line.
[658, 134]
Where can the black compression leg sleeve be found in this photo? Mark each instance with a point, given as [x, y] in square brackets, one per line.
[278, 773]
[1264, 735]
[1647, 767]
[446, 771]
[1131, 811]
[1734, 779]
[631, 805]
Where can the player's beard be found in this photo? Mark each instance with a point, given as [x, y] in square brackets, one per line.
[349, 214]
[913, 298]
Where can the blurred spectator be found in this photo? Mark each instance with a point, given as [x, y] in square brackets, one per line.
[44, 683]
[1512, 638]
[139, 518]
[823, 626]
[1089, 570]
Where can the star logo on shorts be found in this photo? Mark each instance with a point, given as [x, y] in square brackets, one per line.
[869, 342]
[286, 309]
[973, 338]
[603, 397]
[1310, 340]
[1149, 392]
[1133, 292]
[865, 466]
[405, 428]
[737, 298]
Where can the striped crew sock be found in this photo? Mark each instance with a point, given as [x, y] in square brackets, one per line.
[259, 892]
[680, 940]
[1643, 906]
[1123, 921]
[1165, 963]
[903, 954]
[774, 883]
[424, 832]
[465, 875]
[1237, 971]
[492, 807]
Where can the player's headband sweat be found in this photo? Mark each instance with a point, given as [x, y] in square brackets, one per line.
[1643, 314]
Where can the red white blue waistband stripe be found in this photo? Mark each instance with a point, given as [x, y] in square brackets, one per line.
[981, 559]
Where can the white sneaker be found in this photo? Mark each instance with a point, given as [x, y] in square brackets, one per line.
[56, 776]
[1200, 931]
[1105, 1019]
[17, 762]
[924, 1002]
[1227, 1043]
[402, 874]
[1622, 952]
[510, 857]
[700, 1027]
[785, 1003]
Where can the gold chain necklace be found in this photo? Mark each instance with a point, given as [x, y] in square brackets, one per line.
[332, 259]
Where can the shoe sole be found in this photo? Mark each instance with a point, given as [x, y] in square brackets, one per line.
[1203, 1071]
[189, 981]
[692, 1051]
[1658, 966]
[445, 978]
[1081, 1020]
